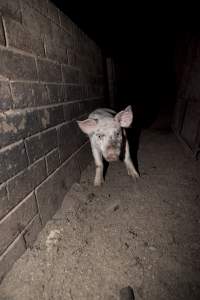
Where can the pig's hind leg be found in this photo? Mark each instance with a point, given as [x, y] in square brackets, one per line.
[98, 180]
[128, 162]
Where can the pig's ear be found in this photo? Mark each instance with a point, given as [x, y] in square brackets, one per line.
[125, 117]
[87, 126]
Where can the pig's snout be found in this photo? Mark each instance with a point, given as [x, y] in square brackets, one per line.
[111, 154]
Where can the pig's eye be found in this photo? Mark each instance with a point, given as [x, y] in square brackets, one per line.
[100, 136]
[118, 134]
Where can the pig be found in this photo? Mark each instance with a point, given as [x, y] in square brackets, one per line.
[106, 131]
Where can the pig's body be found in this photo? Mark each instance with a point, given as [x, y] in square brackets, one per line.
[107, 135]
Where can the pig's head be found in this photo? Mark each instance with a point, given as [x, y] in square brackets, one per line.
[106, 133]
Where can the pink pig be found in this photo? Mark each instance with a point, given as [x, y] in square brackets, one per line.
[107, 136]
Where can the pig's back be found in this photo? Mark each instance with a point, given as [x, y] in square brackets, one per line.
[102, 113]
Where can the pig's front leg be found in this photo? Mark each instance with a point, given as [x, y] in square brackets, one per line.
[99, 166]
[128, 162]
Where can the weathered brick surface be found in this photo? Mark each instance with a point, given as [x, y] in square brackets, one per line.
[12, 160]
[67, 139]
[57, 44]
[15, 125]
[20, 37]
[74, 92]
[29, 94]
[23, 183]
[2, 35]
[40, 144]
[15, 222]
[49, 71]
[3, 200]
[40, 5]
[51, 116]
[70, 75]
[50, 75]
[72, 57]
[53, 12]
[14, 251]
[5, 96]
[10, 8]
[52, 160]
[31, 11]
[66, 23]
[32, 230]
[84, 157]
[57, 93]
[71, 111]
[17, 66]
[51, 192]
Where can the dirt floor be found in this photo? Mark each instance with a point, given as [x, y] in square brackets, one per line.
[144, 234]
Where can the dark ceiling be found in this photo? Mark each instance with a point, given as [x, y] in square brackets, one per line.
[116, 27]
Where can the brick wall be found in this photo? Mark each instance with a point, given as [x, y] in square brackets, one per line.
[50, 74]
[186, 121]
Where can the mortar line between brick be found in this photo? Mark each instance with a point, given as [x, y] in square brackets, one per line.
[20, 235]
[36, 64]
[51, 105]
[64, 162]
[46, 165]
[11, 92]
[10, 246]
[8, 147]
[16, 207]
[38, 207]
[26, 149]
[5, 32]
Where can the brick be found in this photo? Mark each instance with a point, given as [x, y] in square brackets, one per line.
[3, 200]
[5, 96]
[51, 116]
[15, 222]
[14, 251]
[72, 58]
[29, 16]
[15, 125]
[41, 144]
[29, 94]
[49, 71]
[52, 160]
[70, 75]
[53, 12]
[2, 35]
[57, 43]
[33, 123]
[24, 183]
[31, 231]
[68, 140]
[10, 8]
[51, 192]
[21, 38]
[57, 93]
[40, 5]
[17, 66]
[74, 92]
[84, 107]
[66, 23]
[84, 156]
[71, 111]
[12, 160]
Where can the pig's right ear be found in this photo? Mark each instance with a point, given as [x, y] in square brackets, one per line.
[87, 126]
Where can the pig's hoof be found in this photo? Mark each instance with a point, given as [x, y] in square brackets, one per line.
[133, 174]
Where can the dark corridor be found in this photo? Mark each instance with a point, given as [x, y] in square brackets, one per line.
[142, 46]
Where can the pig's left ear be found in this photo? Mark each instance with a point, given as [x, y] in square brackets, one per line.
[87, 126]
[125, 117]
